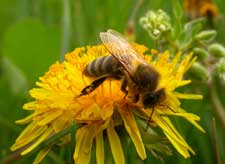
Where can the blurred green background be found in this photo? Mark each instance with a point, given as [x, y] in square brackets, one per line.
[36, 33]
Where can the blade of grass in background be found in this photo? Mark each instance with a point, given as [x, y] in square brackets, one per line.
[66, 28]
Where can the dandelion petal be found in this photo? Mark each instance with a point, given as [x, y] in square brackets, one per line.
[28, 135]
[84, 138]
[132, 129]
[25, 120]
[39, 140]
[41, 155]
[115, 144]
[171, 133]
[187, 96]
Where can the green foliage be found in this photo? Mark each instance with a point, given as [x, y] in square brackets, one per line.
[217, 50]
[32, 47]
[16, 79]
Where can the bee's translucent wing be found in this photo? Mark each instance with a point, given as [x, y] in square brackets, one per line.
[121, 49]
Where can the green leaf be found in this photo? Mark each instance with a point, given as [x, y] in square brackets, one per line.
[15, 77]
[32, 47]
[177, 15]
[195, 24]
[7, 15]
[190, 30]
[206, 36]
[217, 50]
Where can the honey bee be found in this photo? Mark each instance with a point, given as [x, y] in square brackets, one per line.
[139, 78]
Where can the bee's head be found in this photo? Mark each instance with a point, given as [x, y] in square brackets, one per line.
[150, 99]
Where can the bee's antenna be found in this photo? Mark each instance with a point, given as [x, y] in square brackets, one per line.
[168, 107]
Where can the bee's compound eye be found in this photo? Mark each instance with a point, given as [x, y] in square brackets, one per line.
[149, 100]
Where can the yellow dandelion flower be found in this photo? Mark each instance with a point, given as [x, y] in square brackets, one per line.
[56, 106]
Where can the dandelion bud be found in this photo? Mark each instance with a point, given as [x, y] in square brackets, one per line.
[217, 50]
[219, 70]
[206, 36]
[156, 23]
[198, 72]
[200, 53]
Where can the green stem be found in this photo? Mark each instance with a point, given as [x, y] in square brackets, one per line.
[131, 21]
[173, 44]
[72, 143]
[217, 105]
[216, 142]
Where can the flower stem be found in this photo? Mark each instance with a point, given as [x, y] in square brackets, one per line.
[131, 21]
[12, 157]
[217, 105]
[215, 141]
[72, 144]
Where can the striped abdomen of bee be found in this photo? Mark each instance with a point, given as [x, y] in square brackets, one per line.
[101, 68]
[104, 66]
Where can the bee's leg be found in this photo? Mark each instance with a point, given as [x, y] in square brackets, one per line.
[150, 118]
[88, 89]
[136, 98]
[123, 87]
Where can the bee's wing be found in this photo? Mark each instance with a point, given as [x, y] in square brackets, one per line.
[121, 49]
